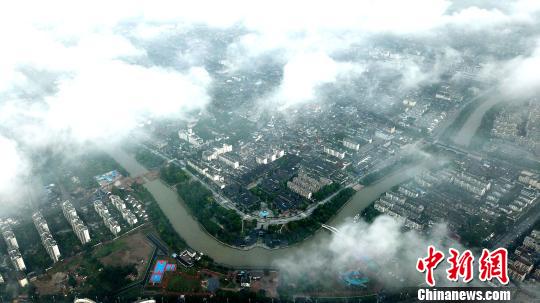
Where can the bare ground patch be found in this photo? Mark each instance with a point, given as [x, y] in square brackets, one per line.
[133, 249]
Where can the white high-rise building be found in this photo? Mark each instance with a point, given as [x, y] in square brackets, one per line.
[213, 154]
[17, 260]
[108, 220]
[130, 218]
[117, 202]
[234, 163]
[190, 137]
[76, 223]
[12, 247]
[351, 144]
[271, 157]
[10, 239]
[81, 231]
[334, 152]
[46, 237]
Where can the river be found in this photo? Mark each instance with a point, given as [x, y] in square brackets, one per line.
[196, 237]
[469, 128]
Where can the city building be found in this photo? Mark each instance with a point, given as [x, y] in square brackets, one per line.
[130, 218]
[12, 247]
[522, 263]
[76, 223]
[108, 220]
[208, 172]
[306, 185]
[230, 160]
[46, 237]
[470, 183]
[190, 137]
[23, 281]
[299, 190]
[351, 144]
[117, 202]
[16, 259]
[398, 206]
[10, 239]
[270, 157]
[530, 179]
[334, 152]
[213, 154]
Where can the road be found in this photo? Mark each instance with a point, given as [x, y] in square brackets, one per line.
[223, 201]
[303, 214]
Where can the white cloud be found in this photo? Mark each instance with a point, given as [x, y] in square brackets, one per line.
[106, 102]
[307, 26]
[520, 77]
[380, 249]
[14, 167]
[303, 75]
[98, 91]
[95, 91]
[474, 16]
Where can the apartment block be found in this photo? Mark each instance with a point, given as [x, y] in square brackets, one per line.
[46, 237]
[108, 220]
[76, 223]
[12, 247]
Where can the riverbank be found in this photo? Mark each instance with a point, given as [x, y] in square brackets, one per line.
[195, 236]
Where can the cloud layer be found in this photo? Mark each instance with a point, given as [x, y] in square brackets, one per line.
[14, 166]
[381, 250]
[76, 72]
[520, 77]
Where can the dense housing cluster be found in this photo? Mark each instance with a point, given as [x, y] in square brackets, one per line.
[524, 261]
[464, 189]
[108, 220]
[130, 218]
[519, 126]
[305, 185]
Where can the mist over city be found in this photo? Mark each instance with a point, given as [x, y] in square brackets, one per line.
[235, 151]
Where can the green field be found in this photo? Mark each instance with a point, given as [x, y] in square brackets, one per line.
[183, 284]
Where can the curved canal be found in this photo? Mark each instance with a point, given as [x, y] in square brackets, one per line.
[196, 237]
[465, 135]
